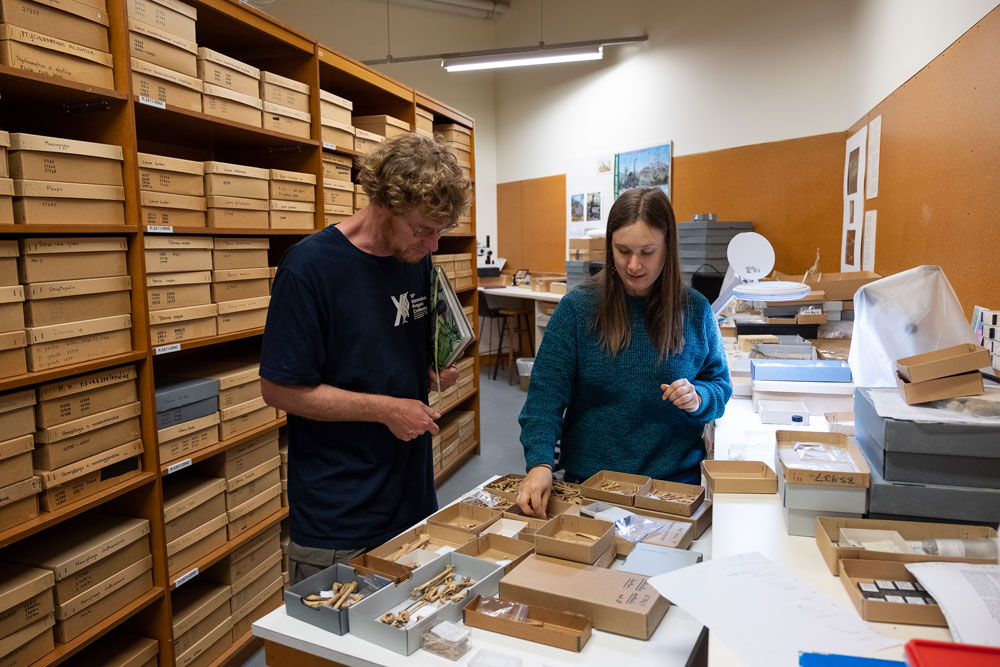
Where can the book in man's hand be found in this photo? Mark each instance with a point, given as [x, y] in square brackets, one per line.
[452, 332]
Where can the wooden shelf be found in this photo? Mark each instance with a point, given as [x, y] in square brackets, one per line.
[63, 652]
[193, 128]
[68, 229]
[229, 547]
[17, 83]
[330, 148]
[241, 649]
[450, 114]
[73, 369]
[467, 289]
[218, 448]
[460, 460]
[49, 519]
[215, 231]
[204, 342]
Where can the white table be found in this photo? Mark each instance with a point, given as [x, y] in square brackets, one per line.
[504, 297]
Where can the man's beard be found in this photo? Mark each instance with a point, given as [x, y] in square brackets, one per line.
[401, 252]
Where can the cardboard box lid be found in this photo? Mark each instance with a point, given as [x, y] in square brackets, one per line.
[241, 243]
[71, 244]
[240, 409]
[165, 435]
[370, 136]
[20, 582]
[334, 184]
[240, 305]
[745, 476]
[228, 373]
[424, 113]
[148, 30]
[943, 363]
[192, 604]
[8, 248]
[327, 96]
[179, 278]
[572, 630]
[268, 535]
[230, 169]
[293, 176]
[183, 494]
[54, 332]
[282, 110]
[49, 43]
[171, 242]
[60, 190]
[133, 652]
[87, 423]
[173, 392]
[168, 75]
[258, 571]
[16, 400]
[20, 141]
[262, 440]
[817, 476]
[257, 501]
[171, 200]
[179, 7]
[231, 95]
[67, 288]
[4, 138]
[78, 543]
[336, 124]
[381, 119]
[12, 294]
[296, 206]
[79, 383]
[17, 446]
[103, 589]
[256, 472]
[164, 163]
[20, 490]
[453, 127]
[226, 61]
[258, 600]
[27, 633]
[217, 633]
[199, 533]
[342, 160]
[236, 203]
[100, 460]
[284, 82]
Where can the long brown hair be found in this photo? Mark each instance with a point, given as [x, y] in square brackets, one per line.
[665, 308]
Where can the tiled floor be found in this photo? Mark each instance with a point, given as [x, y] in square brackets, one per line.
[500, 448]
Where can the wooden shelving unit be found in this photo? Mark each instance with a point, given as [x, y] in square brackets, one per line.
[61, 108]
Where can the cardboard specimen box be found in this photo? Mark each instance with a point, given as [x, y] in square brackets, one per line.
[965, 384]
[337, 167]
[181, 330]
[240, 253]
[505, 551]
[365, 142]
[72, 627]
[102, 588]
[99, 338]
[242, 314]
[29, 644]
[159, 47]
[541, 625]
[266, 602]
[237, 212]
[98, 479]
[175, 394]
[382, 125]
[166, 85]
[254, 511]
[337, 134]
[243, 423]
[19, 502]
[181, 440]
[575, 538]
[6, 201]
[246, 456]
[425, 122]
[36, 157]
[279, 118]
[337, 192]
[326, 617]
[159, 208]
[739, 477]
[42, 54]
[125, 650]
[26, 597]
[284, 91]
[252, 483]
[8, 261]
[335, 108]
[197, 610]
[360, 198]
[671, 497]
[239, 564]
[943, 363]
[613, 600]
[12, 356]
[239, 381]
[51, 479]
[221, 70]
[292, 186]
[239, 284]
[622, 487]
[91, 420]
[11, 308]
[71, 21]
[16, 455]
[255, 582]
[231, 105]
[907, 607]
[235, 180]
[455, 133]
[178, 290]
[17, 413]
[432, 539]
[209, 647]
[71, 258]
[828, 540]
[194, 545]
[190, 502]
[170, 16]
[172, 254]
[796, 470]
[73, 300]
[53, 203]
[468, 518]
[171, 175]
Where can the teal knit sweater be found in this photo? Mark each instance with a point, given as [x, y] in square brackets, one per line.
[615, 417]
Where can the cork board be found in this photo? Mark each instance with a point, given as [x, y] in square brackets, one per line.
[531, 223]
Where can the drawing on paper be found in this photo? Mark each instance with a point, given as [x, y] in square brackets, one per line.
[576, 208]
[853, 163]
[604, 164]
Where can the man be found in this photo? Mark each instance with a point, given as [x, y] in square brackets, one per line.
[346, 354]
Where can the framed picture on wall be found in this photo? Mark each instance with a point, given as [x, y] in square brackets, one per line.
[644, 168]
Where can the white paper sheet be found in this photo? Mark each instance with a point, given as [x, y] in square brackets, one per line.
[874, 148]
[969, 596]
[854, 200]
[889, 402]
[868, 250]
[766, 614]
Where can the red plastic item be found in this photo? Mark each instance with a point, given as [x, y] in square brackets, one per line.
[927, 653]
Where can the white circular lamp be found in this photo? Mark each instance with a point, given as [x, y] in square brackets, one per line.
[751, 258]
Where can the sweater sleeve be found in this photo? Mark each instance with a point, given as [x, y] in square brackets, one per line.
[712, 381]
[551, 387]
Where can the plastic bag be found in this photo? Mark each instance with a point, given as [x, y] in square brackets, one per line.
[483, 498]
[511, 611]
[909, 313]
[817, 456]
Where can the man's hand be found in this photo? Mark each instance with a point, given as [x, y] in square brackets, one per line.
[682, 394]
[449, 376]
[533, 497]
[409, 419]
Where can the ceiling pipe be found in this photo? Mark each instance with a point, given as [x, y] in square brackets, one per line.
[490, 10]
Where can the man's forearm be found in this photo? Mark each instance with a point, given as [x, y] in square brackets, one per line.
[326, 403]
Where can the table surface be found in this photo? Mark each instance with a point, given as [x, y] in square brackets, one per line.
[521, 293]
[741, 523]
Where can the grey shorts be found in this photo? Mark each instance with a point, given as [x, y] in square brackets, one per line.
[304, 562]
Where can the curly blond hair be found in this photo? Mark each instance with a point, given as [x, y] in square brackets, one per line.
[412, 171]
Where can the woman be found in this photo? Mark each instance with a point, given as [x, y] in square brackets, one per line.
[634, 360]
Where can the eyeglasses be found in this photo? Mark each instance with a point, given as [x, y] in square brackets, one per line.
[420, 232]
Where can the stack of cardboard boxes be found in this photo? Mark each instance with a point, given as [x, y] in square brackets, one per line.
[231, 88]
[19, 487]
[164, 52]
[336, 179]
[253, 484]
[459, 139]
[425, 122]
[239, 282]
[456, 436]
[100, 564]
[172, 191]
[237, 196]
[26, 607]
[286, 105]
[194, 514]
[335, 121]
[458, 268]
[187, 415]
[178, 272]
[283, 452]
[202, 622]
[587, 249]
[991, 335]
[120, 649]
[370, 131]
[12, 340]
[66, 41]
[293, 200]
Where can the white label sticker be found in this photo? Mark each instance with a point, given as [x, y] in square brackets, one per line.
[326, 594]
[184, 578]
[165, 349]
[160, 229]
[180, 465]
[328, 146]
[151, 102]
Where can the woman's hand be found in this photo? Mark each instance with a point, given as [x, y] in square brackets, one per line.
[682, 394]
[533, 497]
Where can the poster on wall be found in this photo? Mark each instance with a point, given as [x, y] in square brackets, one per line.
[645, 168]
[593, 207]
[604, 164]
[576, 208]
[854, 201]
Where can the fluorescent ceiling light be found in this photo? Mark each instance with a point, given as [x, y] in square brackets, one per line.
[539, 56]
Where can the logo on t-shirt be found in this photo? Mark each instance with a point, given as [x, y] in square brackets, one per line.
[402, 308]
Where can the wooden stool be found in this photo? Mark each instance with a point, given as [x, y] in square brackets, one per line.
[515, 330]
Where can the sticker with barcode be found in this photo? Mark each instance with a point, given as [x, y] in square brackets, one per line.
[328, 146]
[186, 577]
[151, 102]
[165, 349]
[180, 465]
[160, 229]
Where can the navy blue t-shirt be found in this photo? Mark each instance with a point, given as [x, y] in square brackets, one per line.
[342, 317]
